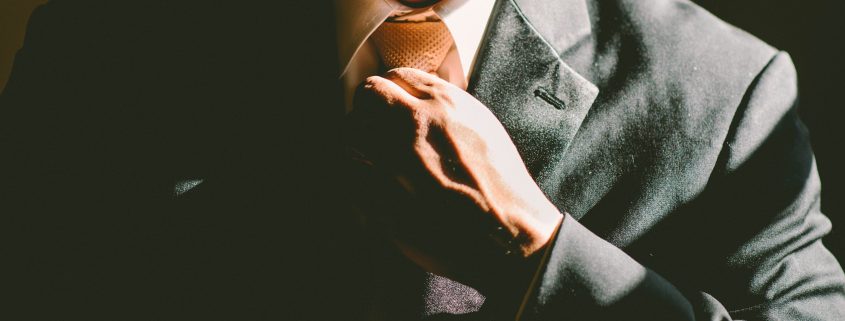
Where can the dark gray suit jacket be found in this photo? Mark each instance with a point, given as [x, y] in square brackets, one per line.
[182, 160]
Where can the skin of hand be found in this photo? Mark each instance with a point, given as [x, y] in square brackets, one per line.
[418, 3]
[464, 176]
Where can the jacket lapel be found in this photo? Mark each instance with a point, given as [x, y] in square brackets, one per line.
[519, 75]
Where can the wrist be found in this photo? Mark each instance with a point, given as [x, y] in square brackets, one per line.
[538, 231]
[528, 232]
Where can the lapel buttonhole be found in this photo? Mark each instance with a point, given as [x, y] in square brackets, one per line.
[548, 97]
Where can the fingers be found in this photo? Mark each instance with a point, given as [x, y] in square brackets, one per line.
[419, 83]
[390, 92]
[414, 76]
[414, 81]
[405, 86]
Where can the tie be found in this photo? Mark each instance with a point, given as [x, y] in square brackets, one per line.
[424, 45]
[421, 45]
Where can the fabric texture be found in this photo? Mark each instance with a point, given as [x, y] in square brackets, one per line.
[669, 137]
[421, 45]
[466, 21]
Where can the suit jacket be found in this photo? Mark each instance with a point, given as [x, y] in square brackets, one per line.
[182, 160]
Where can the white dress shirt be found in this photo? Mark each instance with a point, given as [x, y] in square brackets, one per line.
[358, 19]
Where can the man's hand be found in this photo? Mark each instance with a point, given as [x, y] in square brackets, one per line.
[467, 180]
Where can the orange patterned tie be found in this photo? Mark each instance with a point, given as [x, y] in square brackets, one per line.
[422, 45]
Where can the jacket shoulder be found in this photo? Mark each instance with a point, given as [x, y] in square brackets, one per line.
[679, 42]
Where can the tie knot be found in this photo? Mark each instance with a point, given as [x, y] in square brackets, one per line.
[421, 45]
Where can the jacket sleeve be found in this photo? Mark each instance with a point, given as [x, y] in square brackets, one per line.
[779, 270]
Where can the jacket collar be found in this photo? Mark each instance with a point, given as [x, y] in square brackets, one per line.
[560, 23]
[520, 76]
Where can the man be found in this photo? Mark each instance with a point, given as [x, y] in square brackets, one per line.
[588, 160]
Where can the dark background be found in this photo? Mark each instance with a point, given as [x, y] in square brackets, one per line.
[813, 33]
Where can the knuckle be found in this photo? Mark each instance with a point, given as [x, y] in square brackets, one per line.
[437, 91]
[443, 94]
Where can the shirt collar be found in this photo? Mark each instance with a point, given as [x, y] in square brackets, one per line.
[357, 19]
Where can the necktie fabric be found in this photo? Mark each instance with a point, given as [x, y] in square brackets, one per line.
[424, 45]
[421, 45]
